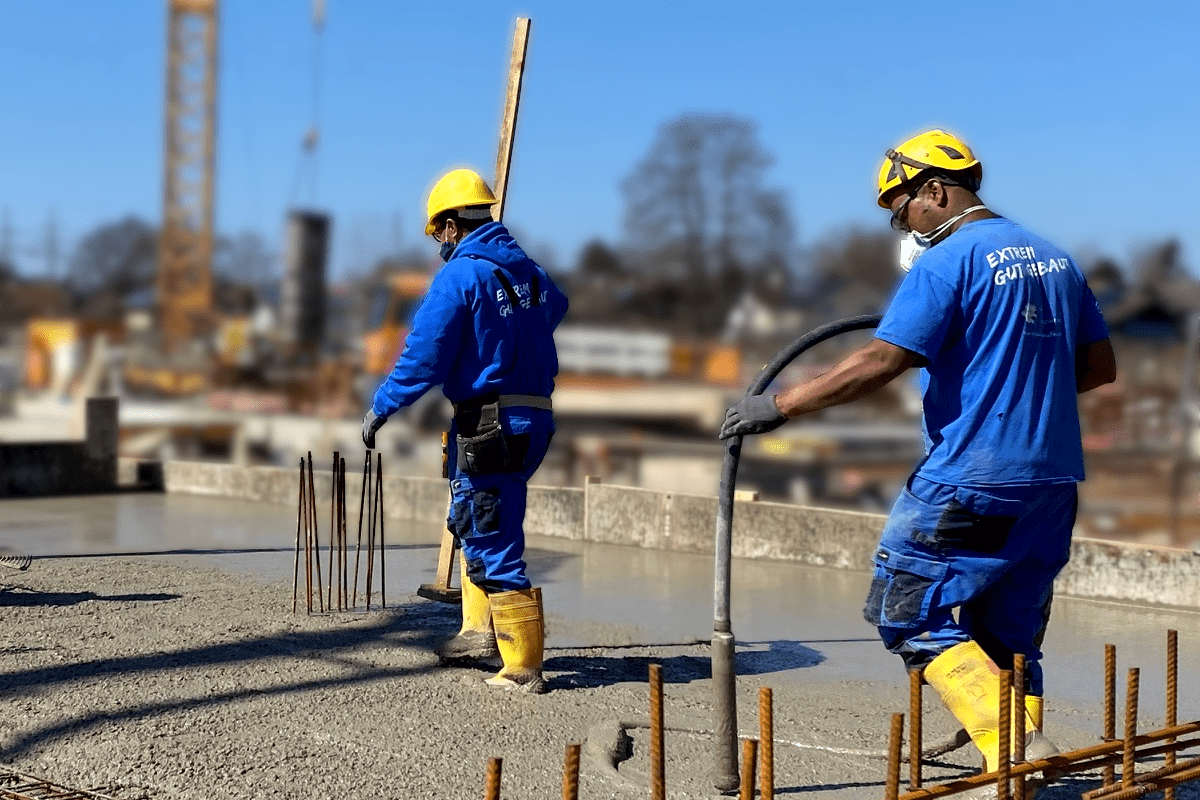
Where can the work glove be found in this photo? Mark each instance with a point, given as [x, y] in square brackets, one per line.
[754, 414]
[371, 423]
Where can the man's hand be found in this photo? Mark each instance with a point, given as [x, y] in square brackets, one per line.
[755, 414]
[371, 423]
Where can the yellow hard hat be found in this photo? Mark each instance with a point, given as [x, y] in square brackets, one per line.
[458, 188]
[933, 149]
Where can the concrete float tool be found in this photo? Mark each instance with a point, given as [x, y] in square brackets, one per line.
[441, 589]
[725, 738]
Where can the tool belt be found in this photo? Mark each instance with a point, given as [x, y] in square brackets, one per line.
[483, 446]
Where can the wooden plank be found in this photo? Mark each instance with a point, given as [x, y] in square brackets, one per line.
[508, 124]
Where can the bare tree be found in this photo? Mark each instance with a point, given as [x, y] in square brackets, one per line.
[117, 257]
[697, 212]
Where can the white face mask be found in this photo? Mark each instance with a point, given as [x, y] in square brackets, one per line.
[914, 244]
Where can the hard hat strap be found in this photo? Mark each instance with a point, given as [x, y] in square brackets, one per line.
[941, 173]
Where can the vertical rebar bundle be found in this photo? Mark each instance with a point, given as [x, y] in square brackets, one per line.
[658, 775]
[341, 593]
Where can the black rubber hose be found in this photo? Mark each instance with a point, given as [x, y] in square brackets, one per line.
[726, 776]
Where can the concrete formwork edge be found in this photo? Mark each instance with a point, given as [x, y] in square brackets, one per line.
[686, 523]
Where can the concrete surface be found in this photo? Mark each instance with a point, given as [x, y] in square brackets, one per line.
[186, 675]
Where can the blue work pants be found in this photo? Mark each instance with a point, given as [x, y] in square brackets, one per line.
[991, 554]
[487, 510]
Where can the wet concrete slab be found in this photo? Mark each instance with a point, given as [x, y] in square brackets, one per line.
[794, 624]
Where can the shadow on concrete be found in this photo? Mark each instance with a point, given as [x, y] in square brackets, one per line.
[15, 597]
[224, 551]
[405, 625]
[594, 667]
[780, 655]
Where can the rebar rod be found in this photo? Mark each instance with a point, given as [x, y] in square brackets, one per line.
[1169, 779]
[382, 568]
[307, 547]
[749, 757]
[658, 762]
[915, 679]
[341, 555]
[371, 541]
[335, 543]
[1172, 700]
[895, 743]
[362, 507]
[766, 737]
[316, 542]
[570, 788]
[492, 786]
[1084, 759]
[1004, 756]
[1109, 776]
[333, 507]
[1131, 710]
[312, 533]
[345, 540]
[299, 515]
[1019, 716]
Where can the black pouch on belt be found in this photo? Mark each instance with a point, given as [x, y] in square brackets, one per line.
[484, 450]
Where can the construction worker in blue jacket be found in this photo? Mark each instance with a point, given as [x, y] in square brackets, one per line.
[484, 333]
[1007, 334]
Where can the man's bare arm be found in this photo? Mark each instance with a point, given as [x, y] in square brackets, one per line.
[862, 372]
[1095, 365]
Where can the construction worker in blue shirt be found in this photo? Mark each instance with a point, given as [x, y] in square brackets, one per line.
[484, 333]
[1007, 333]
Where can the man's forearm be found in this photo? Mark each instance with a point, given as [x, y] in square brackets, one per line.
[859, 374]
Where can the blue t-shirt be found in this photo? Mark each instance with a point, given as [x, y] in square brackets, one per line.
[998, 314]
[470, 338]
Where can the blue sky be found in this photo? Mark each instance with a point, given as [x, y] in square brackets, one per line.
[1085, 114]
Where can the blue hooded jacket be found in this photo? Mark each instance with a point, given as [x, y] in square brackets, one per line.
[469, 338]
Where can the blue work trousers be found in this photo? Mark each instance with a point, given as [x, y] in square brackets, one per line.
[487, 510]
[991, 555]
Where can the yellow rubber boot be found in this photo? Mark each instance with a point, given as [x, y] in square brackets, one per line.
[1033, 706]
[1037, 746]
[476, 639]
[969, 684]
[520, 636]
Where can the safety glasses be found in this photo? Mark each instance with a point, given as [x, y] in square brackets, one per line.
[900, 215]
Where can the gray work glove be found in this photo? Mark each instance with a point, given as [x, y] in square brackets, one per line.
[371, 423]
[754, 414]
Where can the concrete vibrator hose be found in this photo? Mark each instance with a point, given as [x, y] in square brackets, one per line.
[725, 740]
